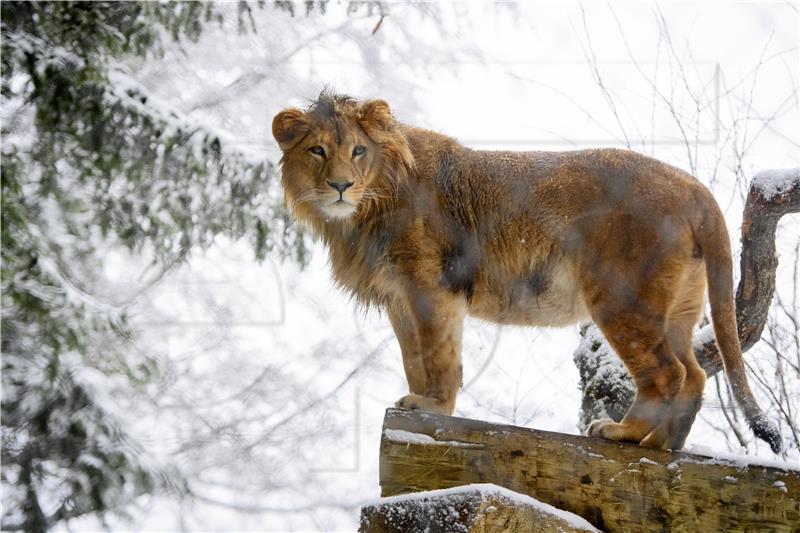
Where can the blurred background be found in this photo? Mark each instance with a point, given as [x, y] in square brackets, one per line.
[175, 355]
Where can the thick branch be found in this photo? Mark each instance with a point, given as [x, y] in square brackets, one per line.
[764, 207]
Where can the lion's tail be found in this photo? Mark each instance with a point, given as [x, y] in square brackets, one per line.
[715, 244]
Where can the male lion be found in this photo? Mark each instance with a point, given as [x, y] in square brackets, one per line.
[432, 231]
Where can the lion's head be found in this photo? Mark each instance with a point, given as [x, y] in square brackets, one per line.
[341, 158]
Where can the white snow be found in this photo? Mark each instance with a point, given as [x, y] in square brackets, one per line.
[409, 437]
[703, 336]
[776, 181]
[159, 109]
[488, 489]
[400, 435]
[741, 461]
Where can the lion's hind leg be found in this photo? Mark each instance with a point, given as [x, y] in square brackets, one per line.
[658, 376]
[631, 286]
[638, 338]
[672, 432]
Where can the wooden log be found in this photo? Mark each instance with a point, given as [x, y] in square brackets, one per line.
[482, 508]
[615, 486]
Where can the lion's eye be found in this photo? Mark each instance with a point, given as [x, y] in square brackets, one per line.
[317, 150]
[359, 150]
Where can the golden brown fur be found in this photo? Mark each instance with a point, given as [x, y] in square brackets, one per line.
[433, 231]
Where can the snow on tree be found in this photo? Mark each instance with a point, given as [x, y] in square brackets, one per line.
[91, 161]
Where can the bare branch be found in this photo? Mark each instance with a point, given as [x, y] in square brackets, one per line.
[592, 60]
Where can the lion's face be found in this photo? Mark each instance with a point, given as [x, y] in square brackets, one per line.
[333, 155]
[330, 168]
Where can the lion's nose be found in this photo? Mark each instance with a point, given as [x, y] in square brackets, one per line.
[339, 186]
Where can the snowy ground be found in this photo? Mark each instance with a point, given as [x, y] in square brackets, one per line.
[274, 384]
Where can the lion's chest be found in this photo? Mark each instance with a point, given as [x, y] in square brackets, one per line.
[364, 270]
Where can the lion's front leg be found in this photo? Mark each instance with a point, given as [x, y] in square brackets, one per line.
[428, 325]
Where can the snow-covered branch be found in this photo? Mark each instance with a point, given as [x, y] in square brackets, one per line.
[772, 195]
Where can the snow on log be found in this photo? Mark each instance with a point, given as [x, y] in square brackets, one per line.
[483, 508]
[614, 486]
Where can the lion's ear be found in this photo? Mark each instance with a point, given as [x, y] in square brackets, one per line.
[375, 114]
[288, 127]
[378, 122]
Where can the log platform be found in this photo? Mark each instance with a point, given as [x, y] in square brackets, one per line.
[614, 486]
[469, 509]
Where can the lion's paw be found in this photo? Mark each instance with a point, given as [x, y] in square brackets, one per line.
[422, 403]
[617, 431]
[655, 440]
[595, 429]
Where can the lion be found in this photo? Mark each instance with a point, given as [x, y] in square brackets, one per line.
[432, 231]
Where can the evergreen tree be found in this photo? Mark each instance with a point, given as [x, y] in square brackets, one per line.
[90, 161]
